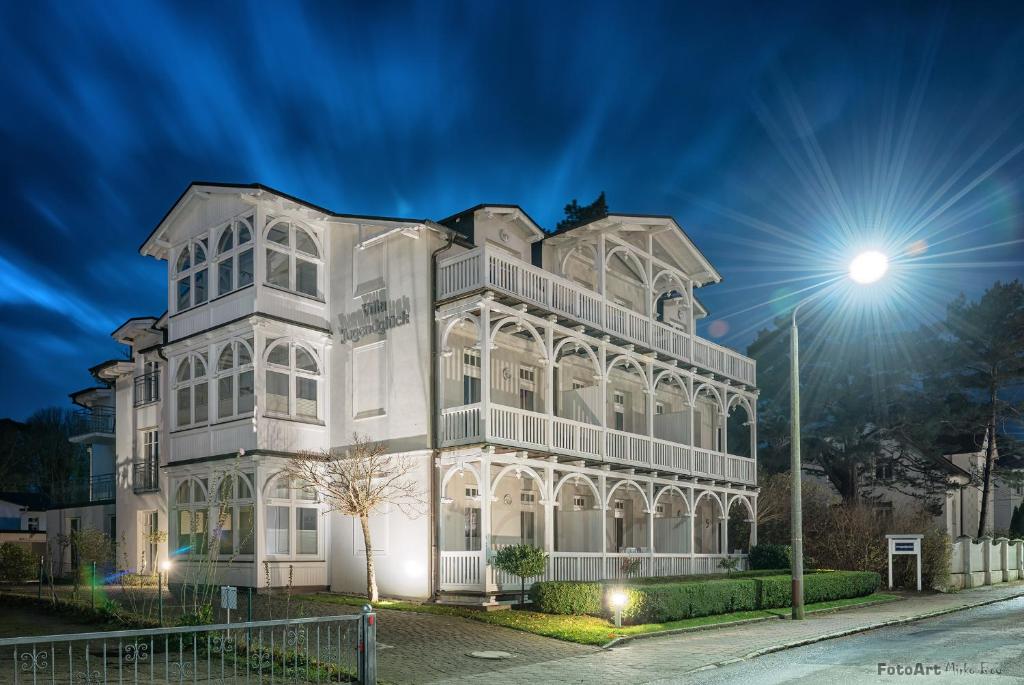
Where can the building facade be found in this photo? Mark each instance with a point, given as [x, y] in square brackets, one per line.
[549, 387]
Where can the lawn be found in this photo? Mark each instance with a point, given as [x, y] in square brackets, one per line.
[587, 630]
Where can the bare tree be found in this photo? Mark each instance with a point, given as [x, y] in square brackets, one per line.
[359, 480]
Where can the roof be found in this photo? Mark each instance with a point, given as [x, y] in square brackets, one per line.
[136, 322]
[484, 205]
[268, 189]
[35, 501]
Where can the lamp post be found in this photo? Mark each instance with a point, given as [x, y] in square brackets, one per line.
[165, 567]
[618, 600]
[866, 268]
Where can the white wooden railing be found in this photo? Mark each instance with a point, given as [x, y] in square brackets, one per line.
[486, 268]
[466, 571]
[516, 427]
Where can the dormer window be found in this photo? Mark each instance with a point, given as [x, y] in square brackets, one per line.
[293, 258]
[234, 256]
[191, 275]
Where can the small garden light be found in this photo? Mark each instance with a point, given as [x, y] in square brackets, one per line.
[618, 600]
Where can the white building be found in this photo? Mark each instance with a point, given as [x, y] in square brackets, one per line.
[550, 387]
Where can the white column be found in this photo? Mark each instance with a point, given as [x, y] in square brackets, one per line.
[549, 386]
[693, 528]
[724, 526]
[602, 356]
[753, 523]
[549, 509]
[724, 447]
[485, 521]
[650, 524]
[485, 368]
[602, 487]
[649, 371]
[600, 259]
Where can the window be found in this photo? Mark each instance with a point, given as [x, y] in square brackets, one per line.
[292, 514]
[151, 536]
[292, 380]
[368, 269]
[470, 376]
[293, 258]
[370, 380]
[191, 276]
[192, 516]
[472, 492]
[659, 408]
[472, 528]
[619, 410]
[234, 255]
[145, 476]
[151, 447]
[33, 523]
[191, 391]
[147, 385]
[234, 526]
[527, 387]
[235, 390]
[578, 385]
[883, 470]
[579, 502]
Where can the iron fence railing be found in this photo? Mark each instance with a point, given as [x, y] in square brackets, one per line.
[145, 476]
[299, 650]
[147, 388]
[86, 490]
[95, 420]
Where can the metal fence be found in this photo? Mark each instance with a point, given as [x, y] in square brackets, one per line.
[319, 649]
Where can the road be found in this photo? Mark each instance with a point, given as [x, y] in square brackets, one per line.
[988, 641]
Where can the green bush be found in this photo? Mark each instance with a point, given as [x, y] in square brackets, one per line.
[559, 597]
[658, 603]
[769, 555]
[775, 592]
[17, 563]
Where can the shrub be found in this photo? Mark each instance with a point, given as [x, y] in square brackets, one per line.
[775, 592]
[769, 555]
[658, 603]
[17, 563]
[522, 561]
[559, 597]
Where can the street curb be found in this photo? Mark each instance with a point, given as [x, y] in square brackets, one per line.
[853, 631]
[727, 624]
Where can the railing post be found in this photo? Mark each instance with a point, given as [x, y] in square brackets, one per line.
[367, 647]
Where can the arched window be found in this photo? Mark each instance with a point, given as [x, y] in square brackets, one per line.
[234, 256]
[292, 380]
[293, 258]
[234, 526]
[293, 518]
[235, 388]
[191, 516]
[191, 391]
[190, 274]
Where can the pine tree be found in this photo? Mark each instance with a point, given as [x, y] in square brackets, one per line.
[577, 215]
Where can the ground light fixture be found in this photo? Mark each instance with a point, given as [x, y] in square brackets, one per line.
[165, 568]
[618, 600]
[866, 268]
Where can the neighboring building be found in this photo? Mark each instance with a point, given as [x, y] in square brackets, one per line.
[550, 389]
[23, 520]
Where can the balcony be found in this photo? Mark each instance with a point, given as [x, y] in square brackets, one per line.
[489, 269]
[89, 425]
[145, 477]
[523, 429]
[147, 388]
[95, 490]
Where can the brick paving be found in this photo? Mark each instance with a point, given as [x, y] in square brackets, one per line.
[668, 658]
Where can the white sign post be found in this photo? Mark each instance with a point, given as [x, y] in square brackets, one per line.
[229, 598]
[905, 544]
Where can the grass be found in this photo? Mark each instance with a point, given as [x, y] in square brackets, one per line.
[586, 630]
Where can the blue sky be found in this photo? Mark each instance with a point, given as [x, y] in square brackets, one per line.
[781, 137]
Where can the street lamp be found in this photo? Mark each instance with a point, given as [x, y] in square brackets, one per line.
[618, 600]
[866, 268]
[165, 567]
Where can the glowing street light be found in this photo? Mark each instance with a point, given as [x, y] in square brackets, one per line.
[866, 268]
[618, 600]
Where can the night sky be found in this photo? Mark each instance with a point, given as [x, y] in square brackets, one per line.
[781, 137]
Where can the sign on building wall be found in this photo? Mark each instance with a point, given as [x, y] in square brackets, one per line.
[377, 315]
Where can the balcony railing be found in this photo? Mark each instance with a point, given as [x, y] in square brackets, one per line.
[483, 268]
[147, 388]
[532, 430]
[95, 420]
[86, 491]
[145, 476]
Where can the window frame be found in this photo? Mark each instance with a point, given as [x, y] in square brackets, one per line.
[235, 252]
[235, 372]
[294, 375]
[294, 255]
[191, 383]
[292, 504]
[190, 272]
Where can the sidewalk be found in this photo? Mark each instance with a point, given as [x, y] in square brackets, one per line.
[672, 656]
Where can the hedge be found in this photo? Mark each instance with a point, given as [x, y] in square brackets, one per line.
[769, 555]
[774, 592]
[657, 602]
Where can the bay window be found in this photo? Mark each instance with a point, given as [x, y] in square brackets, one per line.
[293, 518]
[191, 276]
[191, 391]
[293, 257]
[191, 516]
[292, 380]
[235, 255]
[234, 528]
[235, 390]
